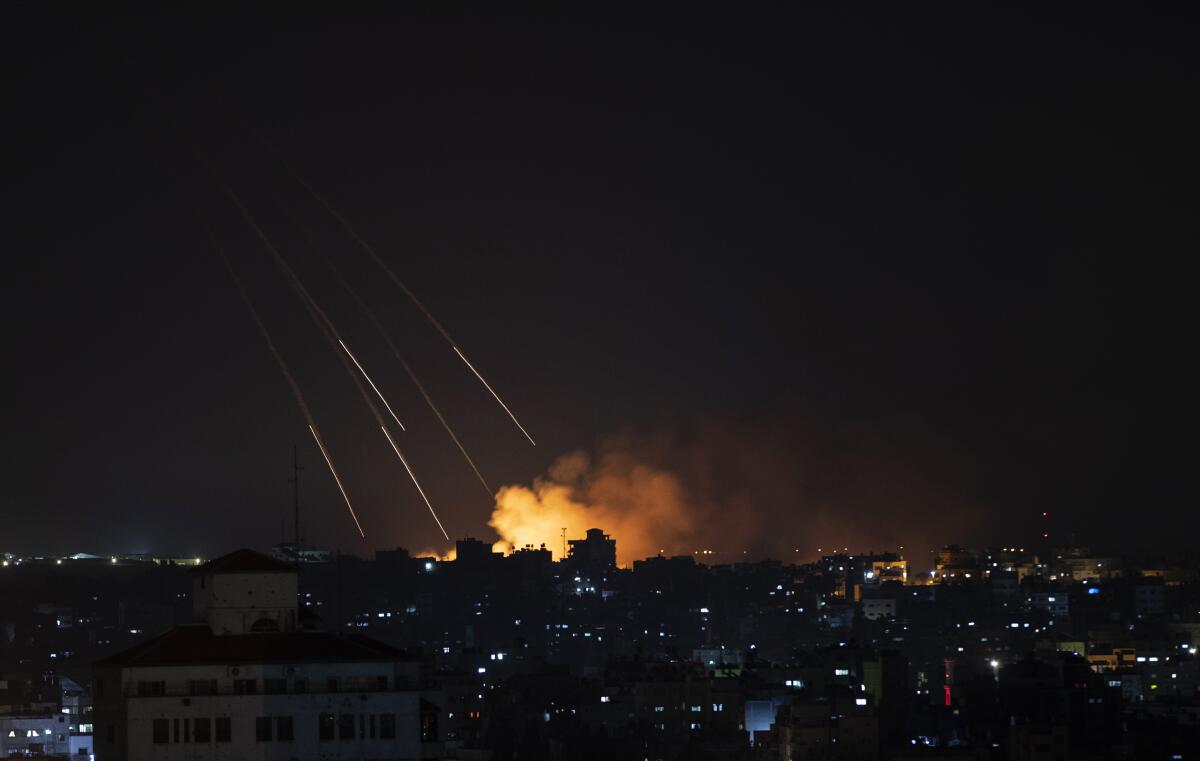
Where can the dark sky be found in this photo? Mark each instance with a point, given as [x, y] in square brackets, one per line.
[966, 226]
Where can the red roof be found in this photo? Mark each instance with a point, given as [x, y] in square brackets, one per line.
[195, 644]
[246, 561]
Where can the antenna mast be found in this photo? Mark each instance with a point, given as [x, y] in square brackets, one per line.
[295, 481]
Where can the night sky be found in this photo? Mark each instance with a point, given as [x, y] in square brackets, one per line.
[907, 253]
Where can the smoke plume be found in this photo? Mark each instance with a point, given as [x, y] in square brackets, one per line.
[781, 487]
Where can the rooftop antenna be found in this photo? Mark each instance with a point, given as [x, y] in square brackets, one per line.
[295, 481]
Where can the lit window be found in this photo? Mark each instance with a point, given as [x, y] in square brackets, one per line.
[860, 701]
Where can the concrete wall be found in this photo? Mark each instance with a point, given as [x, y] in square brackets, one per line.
[17, 734]
[231, 603]
[132, 718]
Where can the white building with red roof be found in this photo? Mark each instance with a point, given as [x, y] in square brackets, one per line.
[247, 683]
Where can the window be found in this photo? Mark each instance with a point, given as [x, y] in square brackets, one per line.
[262, 729]
[718, 707]
[429, 722]
[300, 686]
[162, 731]
[151, 689]
[202, 730]
[696, 709]
[175, 730]
[283, 729]
[387, 726]
[325, 727]
[245, 686]
[224, 729]
[371, 733]
[331, 685]
[202, 687]
[275, 686]
[381, 683]
[110, 733]
[346, 726]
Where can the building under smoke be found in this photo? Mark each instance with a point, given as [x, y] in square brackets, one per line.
[597, 551]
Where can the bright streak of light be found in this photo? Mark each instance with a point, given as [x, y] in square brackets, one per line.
[494, 394]
[416, 483]
[373, 386]
[395, 279]
[337, 480]
[387, 338]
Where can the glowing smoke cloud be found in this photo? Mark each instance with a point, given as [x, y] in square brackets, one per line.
[777, 486]
[645, 509]
[411, 296]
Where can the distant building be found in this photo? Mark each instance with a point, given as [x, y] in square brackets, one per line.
[874, 608]
[23, 736]
[1149, 597]
[247, 683]
[597, 551]
[1055, 602]
[474, 553]
[955, 564]
[288, 553]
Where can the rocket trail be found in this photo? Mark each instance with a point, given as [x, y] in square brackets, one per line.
[373, 386]
[411, 296]
[496, 396]
[333, 471]
[327, 329]
[387, 338]
[262, 329]
[415, 482]
[314, 310]
[287, 374]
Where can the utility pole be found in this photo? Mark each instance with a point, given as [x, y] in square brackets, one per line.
[295, 481]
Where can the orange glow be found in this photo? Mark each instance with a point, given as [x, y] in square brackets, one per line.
[643, 508]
